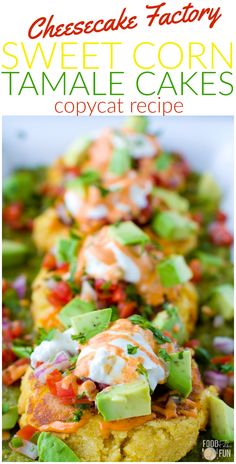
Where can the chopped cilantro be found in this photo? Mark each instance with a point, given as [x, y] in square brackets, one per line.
[77, 415]
[145, 324]
[80, 337]
[131, 349]
[164, 355]
[22, 351]
[45, 335]
[202, 355]
[141, 370]
[16, 442]
[226, 368]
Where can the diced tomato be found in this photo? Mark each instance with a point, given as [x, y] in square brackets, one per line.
[60, 295]
[196, 269]
[12, 215]
[118, 295]
[26, 432]
[13, 329]
[222, 359]
[73, 170]
[64, 267]
[228, 396]
[126, 309]
[17, 329]
[51, 380]
[8, 357]
[219, 234]
[15, 371]
[194, 343]
[49, 262]
[197, 217]
[68, 394]
[4, 285]
[221, 216]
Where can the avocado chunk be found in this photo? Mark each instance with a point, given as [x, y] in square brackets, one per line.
[222, 301]
[208, 190]
[127, 233]
[18, 187]
[120, 161]
[53, 449]
[124, 401]
[173, 226]
[221, 419]
[170, 321]
[90, 324]
[66, 249]
[74, 308]
[209, 262]
[14, 253]
[9, 419]
[173, 200]
[137, 123]
[180, 372]
[163, 161]
[77, 152]
[174, 271]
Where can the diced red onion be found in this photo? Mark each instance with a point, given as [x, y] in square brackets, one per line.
[28, 449]
[217, 379]
[224, 344]
[19, 285]
[218, 321]
[61, 359]
[60, 362]
[42, 371]
[64, 215]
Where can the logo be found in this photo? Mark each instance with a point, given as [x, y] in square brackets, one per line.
[212, 449]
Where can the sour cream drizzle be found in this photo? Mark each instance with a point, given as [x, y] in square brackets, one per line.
[105, 358]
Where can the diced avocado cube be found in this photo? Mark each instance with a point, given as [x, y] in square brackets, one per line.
[53, 449]
[120, 161]
[9, 419]
[221, 419]
[18, 187]
[170, 321]
[14, 253]
[124, 401]
[180, 372]
[88, 325]
[163, 161]
[66, 250]
[173, 226]
[137, 123]
[174, 271]
[222, 301]
[127, 233]
[208, 189]
[77, 151]
[209, 261]
[74, 308]
[173, 200]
